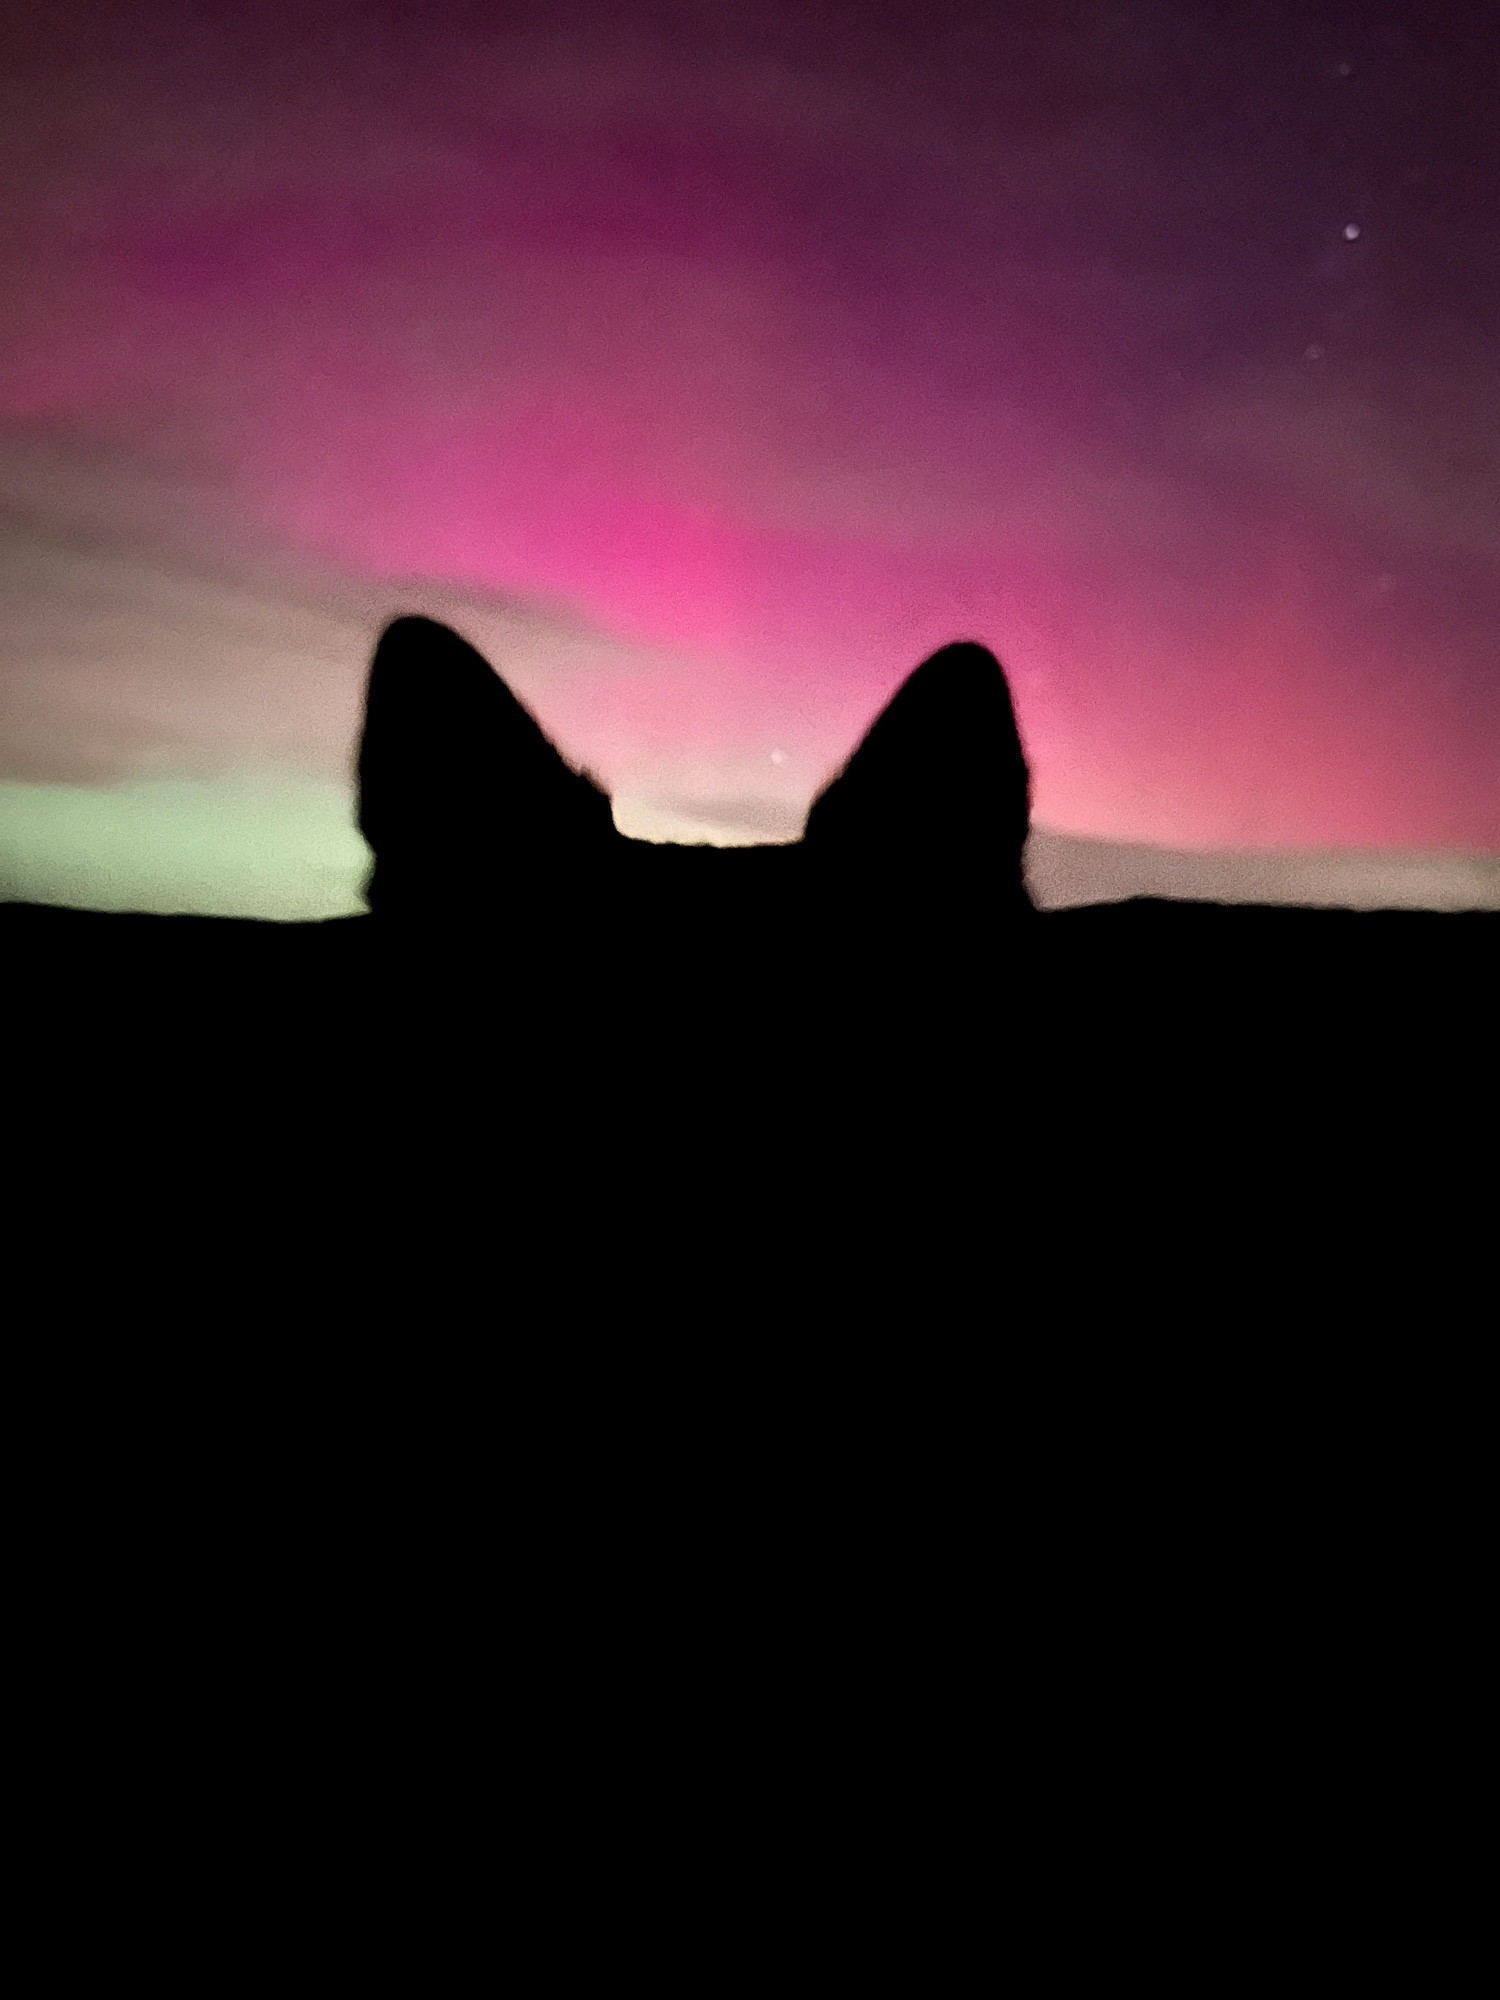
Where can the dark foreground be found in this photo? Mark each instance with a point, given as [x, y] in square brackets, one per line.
[702, 1470]
[748, 1419]
[1188, 1083]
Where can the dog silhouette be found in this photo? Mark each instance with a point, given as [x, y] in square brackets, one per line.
[671, 974]
[479, 827]
[759, 1030]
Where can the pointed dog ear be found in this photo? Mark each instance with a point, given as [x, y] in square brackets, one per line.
[938, 788]
[461, 795]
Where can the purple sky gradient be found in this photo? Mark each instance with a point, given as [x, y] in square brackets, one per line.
[778, 346]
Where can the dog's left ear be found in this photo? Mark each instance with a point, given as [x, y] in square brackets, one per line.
[938, 790]
[462, 797]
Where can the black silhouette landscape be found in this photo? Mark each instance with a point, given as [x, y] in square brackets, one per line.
[613, 1062]
[600, 1245]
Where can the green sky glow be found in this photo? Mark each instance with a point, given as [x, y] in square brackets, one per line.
[248, 843]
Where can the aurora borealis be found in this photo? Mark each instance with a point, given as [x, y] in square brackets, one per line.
[709, 366]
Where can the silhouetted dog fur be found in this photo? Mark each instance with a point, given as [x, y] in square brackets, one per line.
[476, 821]
[664, 975]
[706, 1009]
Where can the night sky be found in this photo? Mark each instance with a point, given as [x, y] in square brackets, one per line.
[709, 365]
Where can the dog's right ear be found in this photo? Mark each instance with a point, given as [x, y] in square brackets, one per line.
[937, 797]
[461, 796]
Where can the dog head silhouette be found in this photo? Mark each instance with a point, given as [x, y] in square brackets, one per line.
[469, 808]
